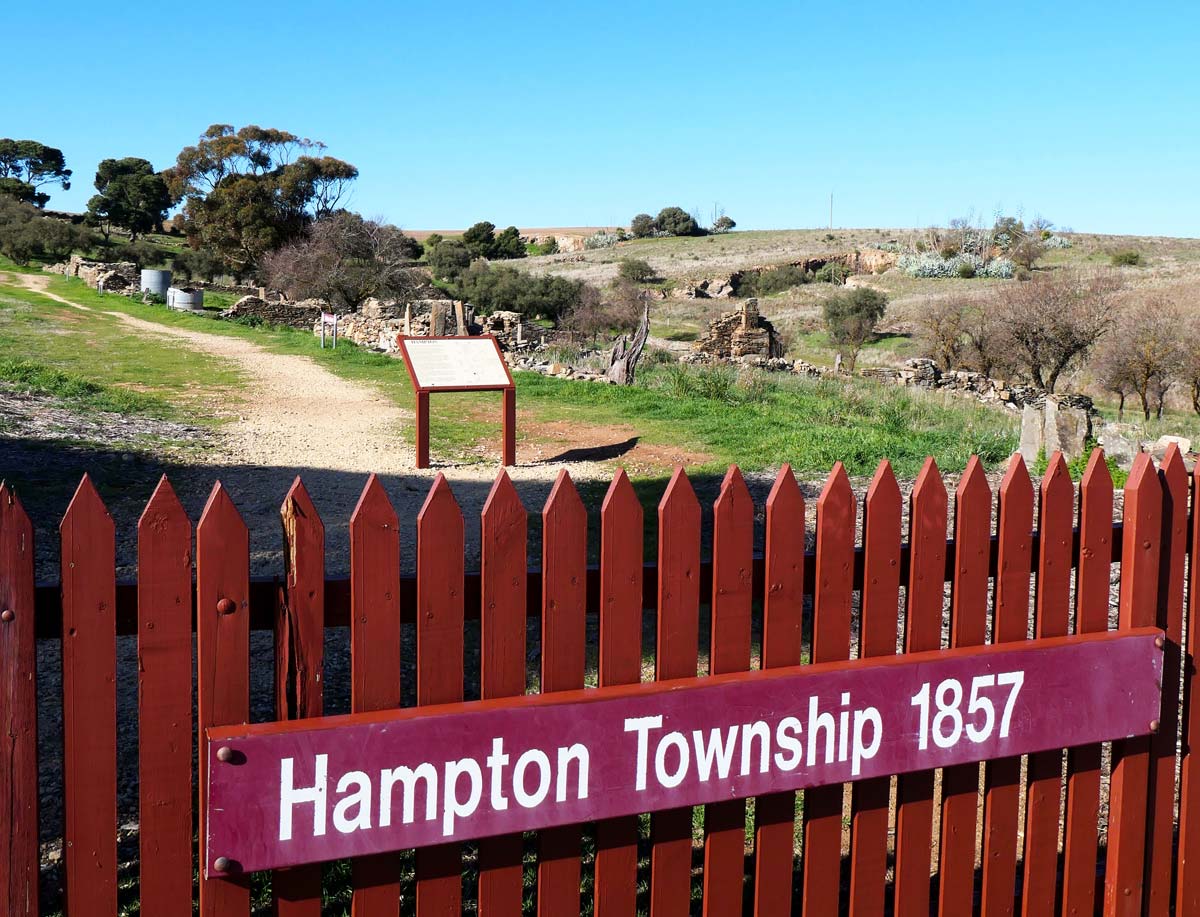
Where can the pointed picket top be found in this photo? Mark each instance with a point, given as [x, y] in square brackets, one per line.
[563, 498]
[503, 502]
[1096, 476]
[218, 509]
[884, 489]
[1056, 519]
[439, 504]
[734, 491]
[785, 497]
[1016, 481]
[883, 508]
[973, 492]
[837, 497]
[928, 506]
[298, 506]
[12, 512]
[373, 508]
[1141, 545]
[1057, 479]
[162, 509]
[972, 556]
[86, 501]
[1174, 472]
[621, 500]
[1057, 499]
[679, 497]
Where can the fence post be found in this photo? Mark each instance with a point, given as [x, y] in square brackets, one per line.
[18, 710]
[564, 645]
[783, 616]
[833, 591]
[1187, 896]
[503, 562]
[922, 631]
[968, 627]
[621, 546]
[89, 668]
[1125, 870]
[1052, 618]
[222, 663]
[877, 637]
[165, 704]
[439, 667]
[374, 661]
[729, 651]
[676, 656]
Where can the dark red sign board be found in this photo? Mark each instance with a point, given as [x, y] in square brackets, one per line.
[284, 794]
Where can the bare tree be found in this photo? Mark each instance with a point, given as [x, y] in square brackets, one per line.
[1147, 356]
[987, 350]
[941, 331]
[1053, 323]
[1190, 359]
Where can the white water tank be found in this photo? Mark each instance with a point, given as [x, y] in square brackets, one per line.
[185, 300]
[156, 282]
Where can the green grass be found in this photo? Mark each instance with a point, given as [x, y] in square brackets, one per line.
[37, 378]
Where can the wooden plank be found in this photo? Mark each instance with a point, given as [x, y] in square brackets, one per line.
[1124, 871]
[165, 789]
[1002, 782]
[439, 667]
[374, 662]
[1043, 789]
[299, 662]
[1080, 832]
[564, 639]
[836, 511]
[968, 627]
[18, 710]
[729, 651]
[1160, 797]
[925, 596]
[676, 656]
[783, 616]
[871, 799]
[503, 545]
[222, 661]
[89, 674]
[1187, 892]
[621, 545]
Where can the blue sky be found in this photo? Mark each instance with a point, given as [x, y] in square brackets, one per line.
[573, 114]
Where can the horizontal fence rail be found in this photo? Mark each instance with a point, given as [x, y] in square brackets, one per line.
[1091, 828]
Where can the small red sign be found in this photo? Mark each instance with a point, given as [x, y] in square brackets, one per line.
[283, 794]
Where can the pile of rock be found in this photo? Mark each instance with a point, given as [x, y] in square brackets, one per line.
[277, 312]
[924, 373]
[534, 363]
[117, 276]
[736, 335]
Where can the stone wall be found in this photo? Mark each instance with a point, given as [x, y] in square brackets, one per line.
[738, 334]
[295, 315]
[118, 276]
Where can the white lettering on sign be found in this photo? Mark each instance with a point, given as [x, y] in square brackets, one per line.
[948, 723]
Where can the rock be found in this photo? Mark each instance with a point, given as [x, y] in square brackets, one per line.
[1067, 429]
[1033, 434]
[557, 369]
[740, 333]
[1119, 444]
[1159, 449]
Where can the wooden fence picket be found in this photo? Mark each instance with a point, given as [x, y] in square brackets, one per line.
[833, 593]
[1080, 832]
[783, 617]
[564, 645]
[374, 662]
[503, 561]
[165, 704]
[927, 517]
[89, 675]
[1052, 619]
[968, 627]
[1187, 890]
[676, 656]
[1140, 549]
[440, 612]
[1160, 795]
[299, 663]
[1010, 622]
[729, 651]
[879, 617]
[620, 663]
[222, 662]
[18, 710]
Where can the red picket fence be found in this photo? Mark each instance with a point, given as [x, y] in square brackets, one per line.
[1045, 574]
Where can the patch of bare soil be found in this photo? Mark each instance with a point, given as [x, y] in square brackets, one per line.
[563, 441]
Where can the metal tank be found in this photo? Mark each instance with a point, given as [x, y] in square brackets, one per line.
[185, 300]
[156, 282]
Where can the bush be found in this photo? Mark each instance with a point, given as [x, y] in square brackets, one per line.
[636, 270]
[492, 288]
[143, 254]
[832, 272]
[677, 222]
[851, 317]
[1053, 241]
[449, 259]
[197, 264]
[723, 224]
[772, 280]
[1126, 258]
[966, 270]
[26, 234]
[933, 265]
[601, 239]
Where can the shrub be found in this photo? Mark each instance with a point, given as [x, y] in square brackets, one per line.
[143, 254]
[723, 224]
[449, 259]
[832, 272]
[851, 317]
[966, 270]
[491, 288]
[677, 222]
[1126, 258]
[636, 270]
[772, 280]
[26, 234]
[196, 264]
[1053, 241]
[601, 239]
[933, 265]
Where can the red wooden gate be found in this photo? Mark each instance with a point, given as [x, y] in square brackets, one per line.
[1039, 846]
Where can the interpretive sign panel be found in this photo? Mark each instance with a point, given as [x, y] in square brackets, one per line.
[455, 364]
[307, 791]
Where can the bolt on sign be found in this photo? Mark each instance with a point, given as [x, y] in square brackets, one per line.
[284, 794]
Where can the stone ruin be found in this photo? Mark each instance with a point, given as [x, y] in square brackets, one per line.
[117, 276]
[738, 336]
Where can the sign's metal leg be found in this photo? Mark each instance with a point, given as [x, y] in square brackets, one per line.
[422, 429]
[510, 427]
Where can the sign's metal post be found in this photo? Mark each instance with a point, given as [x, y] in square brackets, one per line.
[422, 429]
